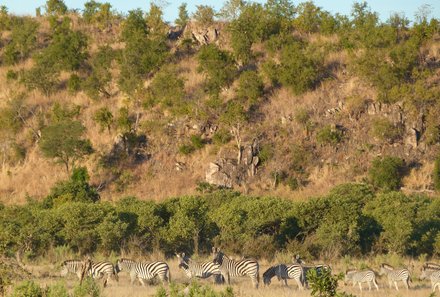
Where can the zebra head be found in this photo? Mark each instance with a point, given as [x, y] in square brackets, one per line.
[427, 271]
[183, 260]
[123, 263]
[218, 256]
[297, 260]
[267, 276]
[349, 275]
[385, 268]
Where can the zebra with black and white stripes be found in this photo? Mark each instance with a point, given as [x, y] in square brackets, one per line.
[284, 272]
[145, 271]
[359, 277]
[395, 275]
[230, 268]
[200, 270]
[433, 274]
[97, 270]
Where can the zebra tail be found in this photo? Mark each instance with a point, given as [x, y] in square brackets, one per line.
[115, 273]
[169, 276]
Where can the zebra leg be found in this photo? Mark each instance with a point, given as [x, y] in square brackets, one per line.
[132, 277]
[285, 282]
[369, 286]
[300, 287]
[254, 282]
[397, 287]
[407, 284]
[375, 284]
[142, 281]
[360, 286]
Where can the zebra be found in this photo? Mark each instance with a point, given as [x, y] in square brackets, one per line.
[230, 268]
[431, 265]
[97, 270]
[144, 271]
[200, 270]
[433, 274]
[284, 272]
[359, 277]
[395, 275]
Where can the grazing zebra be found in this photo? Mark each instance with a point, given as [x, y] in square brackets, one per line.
[200, 270]
[395, 275]
[144, 271]
[359, 277]
[433, 274]
[97, 270]
[284, 272]
[230, 268]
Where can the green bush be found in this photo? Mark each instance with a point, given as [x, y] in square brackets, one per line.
[74, 84]
[386, 173]
[87, 289]
[186, 149]
[27, 289]
[298, 70]
[385, 130]
[57, 290]
[329, 135]
[221, 136]
[265, 153]
[11, 75]
[104, 118]
[250, 87]
[197, 142]
[218, 66]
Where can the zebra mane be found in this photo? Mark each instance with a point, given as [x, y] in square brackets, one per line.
[350, 270]
[71, 261]
[386, 266]
[126, 260]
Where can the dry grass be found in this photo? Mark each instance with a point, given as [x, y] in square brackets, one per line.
[242, 286]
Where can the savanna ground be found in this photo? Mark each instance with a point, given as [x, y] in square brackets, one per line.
[242, 286]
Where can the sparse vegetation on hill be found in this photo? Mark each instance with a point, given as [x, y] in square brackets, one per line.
[280, 102]
[275, 74]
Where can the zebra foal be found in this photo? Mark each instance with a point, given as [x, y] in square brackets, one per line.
[433, 274]
[230, 268]
[284, 272]
[97, 270]
[200, 270]
[395, 275]
[359, 277]
[145, 271]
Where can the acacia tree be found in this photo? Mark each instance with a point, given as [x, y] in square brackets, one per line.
[63, 142]
[55, 7]
[183, 16]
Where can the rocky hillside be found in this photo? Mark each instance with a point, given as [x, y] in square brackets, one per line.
[269, 103]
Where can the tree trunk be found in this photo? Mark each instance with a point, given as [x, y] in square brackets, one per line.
[196, 242]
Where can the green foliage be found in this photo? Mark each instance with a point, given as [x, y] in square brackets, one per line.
[250, 87]
[141, 54]
[98, 13]
[325, 284]
[104, 118]
[43, 76]
[74, 84]
[55, 7]
[397, 215]
[88, 288]
[386, 173]
[183, 18]
[436, 174]
[195, 290]
[11, 75]
[60, 113]
[309, 17]
[246, 30]
[265, 153]
[23, 40]
[186, 149]
[124, 121]
[97, 83]
[329, 135]
[218, 66]
[204, 15]
[298, 70]
[27, 289]
[63, 142]
[76, 189]
[385, 130]
[221, 136]
[167, 88]
[57, 290]
[68, 48]
[156, 26]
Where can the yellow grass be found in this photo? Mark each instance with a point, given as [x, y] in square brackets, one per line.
[242, 286]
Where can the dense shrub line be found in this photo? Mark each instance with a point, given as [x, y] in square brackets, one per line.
[351, 220]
